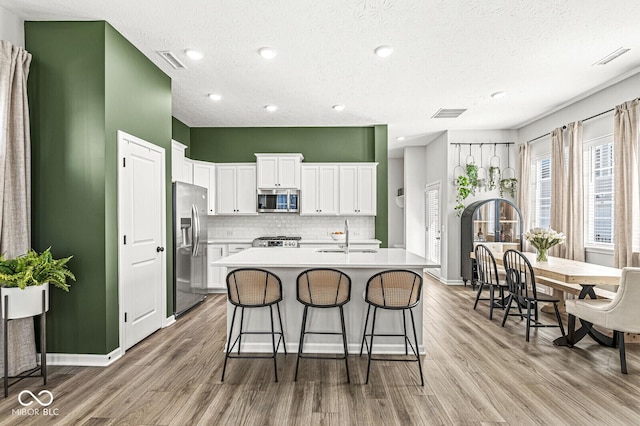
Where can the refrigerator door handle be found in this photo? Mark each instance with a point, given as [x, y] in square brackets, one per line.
[194, 230]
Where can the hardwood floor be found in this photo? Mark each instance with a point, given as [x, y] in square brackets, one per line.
[475, 373]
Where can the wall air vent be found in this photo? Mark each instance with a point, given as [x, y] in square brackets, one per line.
[171, 59]
[448, 113]
[613, 55]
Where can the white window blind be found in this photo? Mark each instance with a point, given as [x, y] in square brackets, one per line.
[598, 184]
[541, 190]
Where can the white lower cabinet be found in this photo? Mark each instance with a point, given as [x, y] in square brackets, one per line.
[217, 275]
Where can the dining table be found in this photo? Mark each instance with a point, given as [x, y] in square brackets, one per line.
[570, 273]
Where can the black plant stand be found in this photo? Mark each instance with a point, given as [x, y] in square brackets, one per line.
[43, 346]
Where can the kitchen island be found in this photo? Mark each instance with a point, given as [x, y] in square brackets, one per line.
[287, 263]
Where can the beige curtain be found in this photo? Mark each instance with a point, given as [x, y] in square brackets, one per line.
[15, 189]
[574, 196]
[558, 188]
[626, 189]
[524, 179]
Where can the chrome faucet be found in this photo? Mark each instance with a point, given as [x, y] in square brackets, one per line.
[346, 236]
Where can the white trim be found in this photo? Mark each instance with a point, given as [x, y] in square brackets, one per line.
[122, 137]
[599, 249]
[168, 321]
[84, 360]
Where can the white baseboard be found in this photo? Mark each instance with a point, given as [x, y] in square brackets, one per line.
[217, 291]
[445, 281]
[170, 320]
[83, 360]
[329, 348]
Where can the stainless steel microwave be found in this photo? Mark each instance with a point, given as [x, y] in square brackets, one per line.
[278, 201]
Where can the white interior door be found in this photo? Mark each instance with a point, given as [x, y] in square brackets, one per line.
[142, 255]
[432, 213]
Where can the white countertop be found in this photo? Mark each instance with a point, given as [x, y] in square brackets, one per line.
[230, 240]
[247, 240]
[309, 257]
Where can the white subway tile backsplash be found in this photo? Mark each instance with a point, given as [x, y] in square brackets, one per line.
[271, 224]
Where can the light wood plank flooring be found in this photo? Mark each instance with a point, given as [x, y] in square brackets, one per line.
[475, 372]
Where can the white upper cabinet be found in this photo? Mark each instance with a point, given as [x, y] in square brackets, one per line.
[236, 188]
[319, 190]
[204, 174]
[187, 171]
[278, 171]
[358, 189]
[177, 161]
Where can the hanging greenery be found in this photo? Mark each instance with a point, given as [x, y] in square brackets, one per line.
[509, 185]
[494, 177]
[466, 185]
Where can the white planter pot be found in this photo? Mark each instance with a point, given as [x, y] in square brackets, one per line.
[24, 303]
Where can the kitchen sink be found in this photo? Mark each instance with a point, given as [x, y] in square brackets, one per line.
[351, 250]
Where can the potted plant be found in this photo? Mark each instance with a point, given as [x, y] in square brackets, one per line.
[494, 177]
[508, 185]
[25, 277]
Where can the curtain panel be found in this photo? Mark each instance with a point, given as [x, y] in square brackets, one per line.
[574, 203]
[15, 189]
[558, 188]
[626, 186]
[524, 196]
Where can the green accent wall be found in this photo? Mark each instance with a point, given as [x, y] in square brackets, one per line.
[86, 82]
[317, 144]
[181, 133]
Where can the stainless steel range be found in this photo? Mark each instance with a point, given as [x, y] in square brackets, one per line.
[279, 241]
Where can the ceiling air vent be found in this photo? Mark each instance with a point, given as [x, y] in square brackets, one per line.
[171, 59]
[613, 55]
[448, 113]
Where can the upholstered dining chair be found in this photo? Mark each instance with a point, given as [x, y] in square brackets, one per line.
[522, 290]
[620, 314]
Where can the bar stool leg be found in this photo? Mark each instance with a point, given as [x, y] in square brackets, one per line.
[302, 331]
[370, 348]
[344, 342]
[241, 323]
[273, 342]
[415, 338]
[404, 326]
[228, 351]
[284, 344]
[364, 335]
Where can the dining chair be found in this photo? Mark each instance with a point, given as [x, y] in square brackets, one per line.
[620, 314]
[521, 283]
[396, 290]
[323, 288]
[254, 288]
[489, 278]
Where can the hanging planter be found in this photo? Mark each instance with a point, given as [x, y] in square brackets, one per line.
[508, 182]
[466, 185]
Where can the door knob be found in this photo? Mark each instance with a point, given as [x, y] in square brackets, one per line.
[159, 249]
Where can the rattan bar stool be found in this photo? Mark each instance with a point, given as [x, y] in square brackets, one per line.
[395, 290]
[254, 288]
[323, 288]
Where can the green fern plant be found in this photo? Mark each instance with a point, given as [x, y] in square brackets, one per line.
[34, 269]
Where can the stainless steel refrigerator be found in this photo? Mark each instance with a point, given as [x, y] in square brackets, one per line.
[190, 246]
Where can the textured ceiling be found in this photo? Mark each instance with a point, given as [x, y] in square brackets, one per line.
[447, 54]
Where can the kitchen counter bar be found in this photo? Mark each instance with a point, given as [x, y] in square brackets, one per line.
[287, 263]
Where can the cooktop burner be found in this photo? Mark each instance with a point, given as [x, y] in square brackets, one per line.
[279, 238]
[277, 241]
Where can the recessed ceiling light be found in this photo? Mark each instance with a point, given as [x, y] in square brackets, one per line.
[383, 51]
[267, 52]
[271, 108]
[400, 138]
[194, 54]
[497, 95]
[215, 96]
[338, 107]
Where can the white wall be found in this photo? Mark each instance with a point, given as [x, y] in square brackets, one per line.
[414, 185]
[451, 263]
[600, 101]
[395, 180]
[11, 28]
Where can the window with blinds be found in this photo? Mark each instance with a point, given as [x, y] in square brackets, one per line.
[541, 190]
[598, 185]
[433, 225]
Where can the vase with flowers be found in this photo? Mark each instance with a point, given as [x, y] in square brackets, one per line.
[543, 239]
